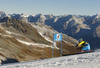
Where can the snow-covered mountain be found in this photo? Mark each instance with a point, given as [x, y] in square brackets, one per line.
[3, 14]
[27, 36]
[76, 26]
[86, 60]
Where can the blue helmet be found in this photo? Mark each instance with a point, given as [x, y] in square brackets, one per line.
[79, 40]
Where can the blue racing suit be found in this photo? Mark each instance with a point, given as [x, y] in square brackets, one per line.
[84, 45]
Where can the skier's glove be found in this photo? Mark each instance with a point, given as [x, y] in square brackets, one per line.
[76, 45]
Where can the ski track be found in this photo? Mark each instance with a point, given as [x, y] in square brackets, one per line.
[86, 60]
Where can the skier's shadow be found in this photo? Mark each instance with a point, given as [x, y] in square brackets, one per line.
[9, 60]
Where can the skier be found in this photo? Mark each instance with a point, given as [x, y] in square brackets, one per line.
[83, 46]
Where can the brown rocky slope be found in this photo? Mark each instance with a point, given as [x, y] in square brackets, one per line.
[15, 33]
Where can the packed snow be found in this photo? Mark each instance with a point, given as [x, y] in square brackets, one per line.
[86, 60]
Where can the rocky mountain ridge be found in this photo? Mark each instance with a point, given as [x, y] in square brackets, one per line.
[24, 41]
[76, 26]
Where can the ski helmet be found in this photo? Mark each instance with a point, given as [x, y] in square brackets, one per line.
[80, 40]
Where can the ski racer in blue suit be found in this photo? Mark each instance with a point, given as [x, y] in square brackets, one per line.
[83, 45]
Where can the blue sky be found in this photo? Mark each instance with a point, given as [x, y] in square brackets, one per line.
[56, 7]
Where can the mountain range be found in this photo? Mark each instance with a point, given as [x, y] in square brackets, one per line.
[30, 37]
[75, 26]
[21, 39]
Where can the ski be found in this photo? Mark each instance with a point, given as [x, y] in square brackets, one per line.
[79, 53]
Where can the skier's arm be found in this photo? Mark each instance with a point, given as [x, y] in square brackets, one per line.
[80, 43]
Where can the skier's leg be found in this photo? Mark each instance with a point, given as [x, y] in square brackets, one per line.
[86, 48]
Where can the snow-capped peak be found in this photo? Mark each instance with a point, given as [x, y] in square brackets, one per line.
[3, 14]
[98, 15]
[37, 15]
[24, 15]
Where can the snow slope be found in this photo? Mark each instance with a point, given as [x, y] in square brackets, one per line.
[86, 60]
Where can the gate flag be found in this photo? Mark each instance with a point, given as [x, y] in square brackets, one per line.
[57, 37]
